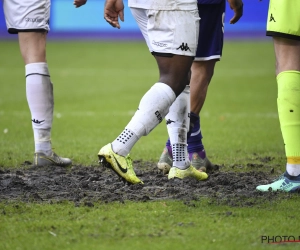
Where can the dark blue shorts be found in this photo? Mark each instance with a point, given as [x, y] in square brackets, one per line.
[211, 35]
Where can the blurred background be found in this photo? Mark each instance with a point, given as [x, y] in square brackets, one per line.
[87, 22]
[100, 74]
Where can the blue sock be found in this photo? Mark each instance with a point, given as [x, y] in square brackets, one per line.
[194, 136]
[169, 147]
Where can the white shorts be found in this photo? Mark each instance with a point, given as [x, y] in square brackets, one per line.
[29, 15]
[169, 32]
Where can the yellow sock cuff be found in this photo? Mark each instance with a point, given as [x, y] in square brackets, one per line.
[293, 160]
[289, 74]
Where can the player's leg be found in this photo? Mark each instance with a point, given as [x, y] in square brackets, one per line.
[39, 90]
[173, 70]
[32, 27]
[202, 73]
[174, 62]
[152, 108]
[287, 53]
[209, 51]
[176, 69]
[288, 103]
[39, 93]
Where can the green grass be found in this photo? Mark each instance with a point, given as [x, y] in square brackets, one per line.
[97, 88]
[153, 225]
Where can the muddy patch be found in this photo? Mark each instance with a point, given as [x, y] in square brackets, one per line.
[85, 185]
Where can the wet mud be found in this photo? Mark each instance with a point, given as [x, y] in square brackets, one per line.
[85, 185]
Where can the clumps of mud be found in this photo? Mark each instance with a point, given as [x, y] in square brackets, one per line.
[85, 185]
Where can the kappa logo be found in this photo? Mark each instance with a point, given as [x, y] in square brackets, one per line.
[158, 116]
[123, 170]
[37, 121]
[184, 47]
[169, 121]
[272, 19]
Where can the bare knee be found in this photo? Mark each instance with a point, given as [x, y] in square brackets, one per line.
[287, 53]
[175, 71]
[33, 46]
[202, 72]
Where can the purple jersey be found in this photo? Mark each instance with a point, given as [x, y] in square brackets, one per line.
[209, 1]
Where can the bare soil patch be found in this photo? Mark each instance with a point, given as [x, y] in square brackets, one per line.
[85, 185]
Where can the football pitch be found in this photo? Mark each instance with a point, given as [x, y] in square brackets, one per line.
[97, 88]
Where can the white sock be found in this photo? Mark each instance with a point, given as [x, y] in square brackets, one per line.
[123, 144]
[39, 93]
[293, 169]
[180, 156]
[153, 107]
[177, 121]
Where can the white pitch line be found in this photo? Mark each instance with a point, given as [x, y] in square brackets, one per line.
[267, 115]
